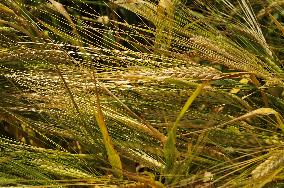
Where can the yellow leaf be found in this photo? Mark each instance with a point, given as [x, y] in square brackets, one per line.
[235, 90]
[113, 156]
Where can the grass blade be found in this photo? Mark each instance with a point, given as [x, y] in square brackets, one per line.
[170, 148]
[113, 156]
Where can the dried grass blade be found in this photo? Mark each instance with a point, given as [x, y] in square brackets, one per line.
[263, 95]
[278, 24]
[60, 8]
[113, 156]
[260, 111]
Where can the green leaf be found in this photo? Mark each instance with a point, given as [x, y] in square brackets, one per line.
[170, 148]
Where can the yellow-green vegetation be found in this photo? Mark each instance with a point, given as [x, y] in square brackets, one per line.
[141, 93]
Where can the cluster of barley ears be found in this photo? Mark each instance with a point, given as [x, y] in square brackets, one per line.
[137, 93]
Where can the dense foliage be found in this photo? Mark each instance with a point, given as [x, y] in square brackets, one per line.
[141, 93]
